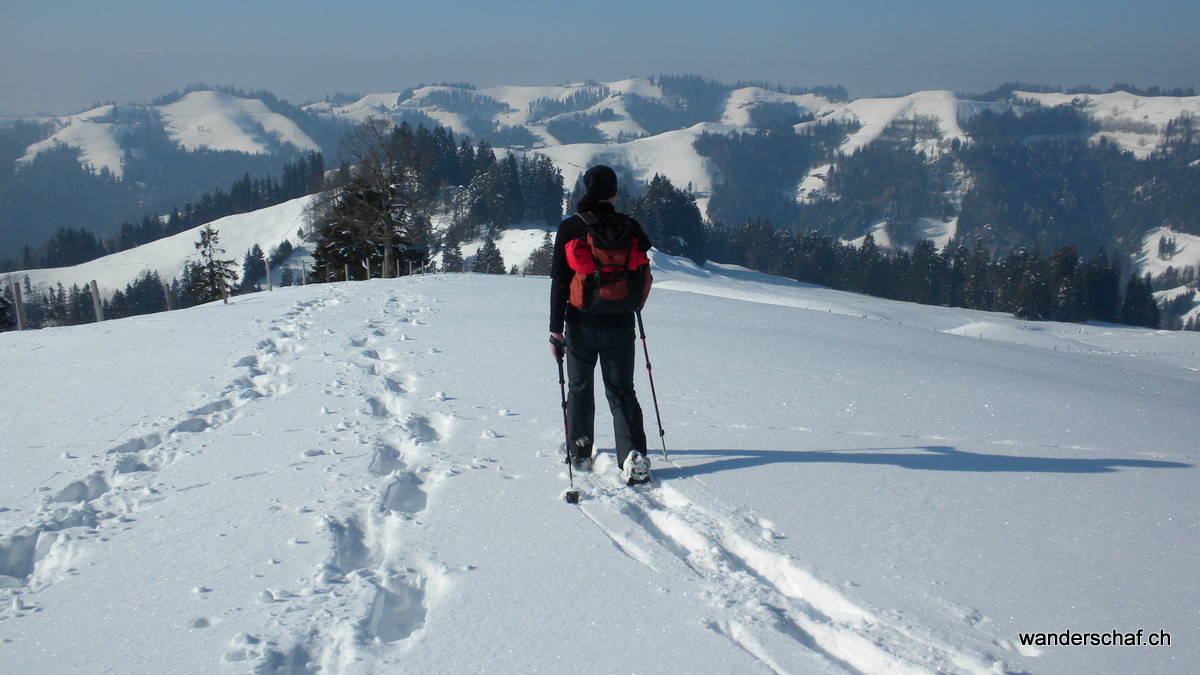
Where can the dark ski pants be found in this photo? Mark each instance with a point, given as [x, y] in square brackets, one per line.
[613, 347]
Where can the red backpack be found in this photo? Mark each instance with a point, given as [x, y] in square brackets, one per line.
[612, 275]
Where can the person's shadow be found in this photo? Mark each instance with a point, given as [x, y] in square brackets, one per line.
[925, 458]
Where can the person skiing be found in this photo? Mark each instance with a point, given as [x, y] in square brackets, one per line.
[599, 278]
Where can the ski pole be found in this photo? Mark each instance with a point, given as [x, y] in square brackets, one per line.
[650, 372]
[572, 495]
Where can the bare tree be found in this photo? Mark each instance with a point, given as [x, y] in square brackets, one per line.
[383, 202]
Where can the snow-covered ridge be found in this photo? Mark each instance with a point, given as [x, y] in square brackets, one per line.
[942, 107]
[200, 120]
[206, 119]
[96, 133]
[1135, 123]
[217, 121]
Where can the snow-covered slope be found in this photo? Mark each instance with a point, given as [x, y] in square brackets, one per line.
[672, 154]
[96, 133]
[200, 119]
[1135, 123]
[267, 228]
[1180, 251]
[216, 121]
[875, 114]
[1186, 252]
[741, 101]
[365, 478]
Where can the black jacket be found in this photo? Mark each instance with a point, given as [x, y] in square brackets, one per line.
[561, 273]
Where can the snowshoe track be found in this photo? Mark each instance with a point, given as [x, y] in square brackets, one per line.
[42, 551]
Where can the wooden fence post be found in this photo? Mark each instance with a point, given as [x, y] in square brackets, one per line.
[167, 293]
[99, 306]
[16, 287]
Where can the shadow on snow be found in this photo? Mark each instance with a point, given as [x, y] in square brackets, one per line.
[925, 458]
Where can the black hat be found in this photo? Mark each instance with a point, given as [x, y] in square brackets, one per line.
[600, 182]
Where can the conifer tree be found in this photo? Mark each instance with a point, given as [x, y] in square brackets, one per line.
[7, 322]
[539, 261]
[452, 259]
[253, 268]
[1101, 288]
[488, 260]
[212, 276]
[671, 219]
[1139, 308]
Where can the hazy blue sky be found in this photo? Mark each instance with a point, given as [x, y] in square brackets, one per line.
[59, 56]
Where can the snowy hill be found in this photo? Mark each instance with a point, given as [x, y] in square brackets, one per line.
[200, 119]
[1134, 123]
[208, 119]
[364, 478]
[267, 228]
[643, 126]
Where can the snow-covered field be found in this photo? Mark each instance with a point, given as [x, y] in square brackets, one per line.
[365, 478]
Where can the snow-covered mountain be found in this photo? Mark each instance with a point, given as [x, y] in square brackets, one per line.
[198, 120]
[619, 114]
[645, 127]
[221, 121]
[365, 477]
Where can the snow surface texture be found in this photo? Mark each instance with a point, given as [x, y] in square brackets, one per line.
[366, 477]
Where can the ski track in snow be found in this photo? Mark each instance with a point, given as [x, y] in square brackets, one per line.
[762, 600]
[91, 509]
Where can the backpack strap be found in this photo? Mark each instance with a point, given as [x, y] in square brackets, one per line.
[588, 218]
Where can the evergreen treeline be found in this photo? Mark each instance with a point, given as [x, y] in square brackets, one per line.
[1025, 178]
[305, 176]
[581, 99]
[581, 127]
[671, 219]
[759, 171]
[1060, 286]
[73, 245]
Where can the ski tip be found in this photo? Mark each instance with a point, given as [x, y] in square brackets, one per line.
[571, 496]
